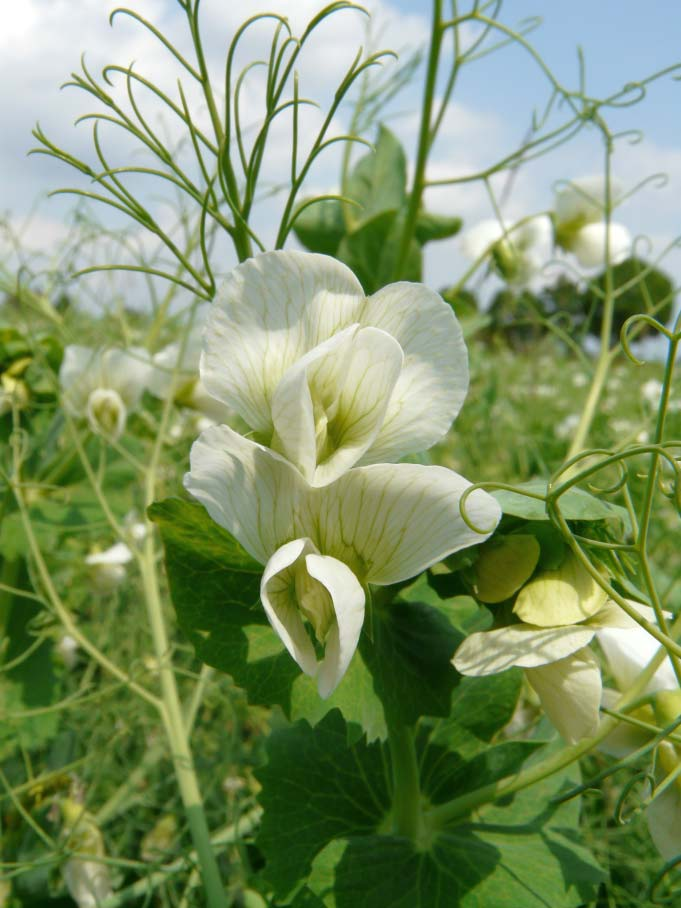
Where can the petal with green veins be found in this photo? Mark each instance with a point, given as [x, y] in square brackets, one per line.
[570, 693]
[433, 382]
[522, 645]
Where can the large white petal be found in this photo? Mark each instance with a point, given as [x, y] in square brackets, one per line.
[434, 379]
[629, 651]
[269, 312]
[281, 607]
[589, 244]
[249, 490]
[570, 693]
[523, 645]
[391, 521]
[348, 598]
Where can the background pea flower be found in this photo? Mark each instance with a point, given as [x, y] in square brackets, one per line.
[326, 376]
[518, 251]
[174, 372]
[561, 611]
[378, 524]
[580, 226]
[103, 386]
[109, 568]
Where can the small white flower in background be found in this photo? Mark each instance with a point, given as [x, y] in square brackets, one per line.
[175, 372]
[566, 427]
[518, 252]
[561, 611]
[87, 881]
[378, 524]
[651, 391]
[580, 225]
[67, 649]
[136, 529]
[109, 568]
[326, 376]
[103, 386]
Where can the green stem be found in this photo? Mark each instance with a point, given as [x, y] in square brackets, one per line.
[406, 813]
[425, 139]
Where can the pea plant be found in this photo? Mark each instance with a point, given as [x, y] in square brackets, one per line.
[263, 643]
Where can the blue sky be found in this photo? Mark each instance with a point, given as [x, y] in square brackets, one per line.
[491, 111]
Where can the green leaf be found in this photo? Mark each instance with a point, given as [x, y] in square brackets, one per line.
[316, 788]
[379, 179]
[327, 811]
[430, 227]
[410, 660]
[320, 227]
[371, 251]
[575, 504]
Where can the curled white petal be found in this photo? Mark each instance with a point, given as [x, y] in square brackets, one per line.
[281, 606]
[330, 405]
[301, 585]
[106, 413]
[522, 645]
[594, 245]
[570, 694]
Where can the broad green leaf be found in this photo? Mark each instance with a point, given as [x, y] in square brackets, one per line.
[379, 179]
[316, 788]
[371, 251]
[409, 657]
[575, 504]
[430, 227]
[483, 706]
[320, 227]
[503, 565]
[327, 810]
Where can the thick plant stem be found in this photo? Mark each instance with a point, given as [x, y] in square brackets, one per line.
[406, 813]
[177, 736]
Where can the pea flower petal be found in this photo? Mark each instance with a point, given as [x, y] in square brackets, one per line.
[577, 681]
[378, 524]
[264, 349]
[103, 385]
[299, 583]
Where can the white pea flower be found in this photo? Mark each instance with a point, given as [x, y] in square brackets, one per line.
[87, 881]
[175, 372]
[580, 225]
[326, 376]
[67, 649]
[103, 386]
[109, 568]
[561, 611]
[378, 524]
[518, 252]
